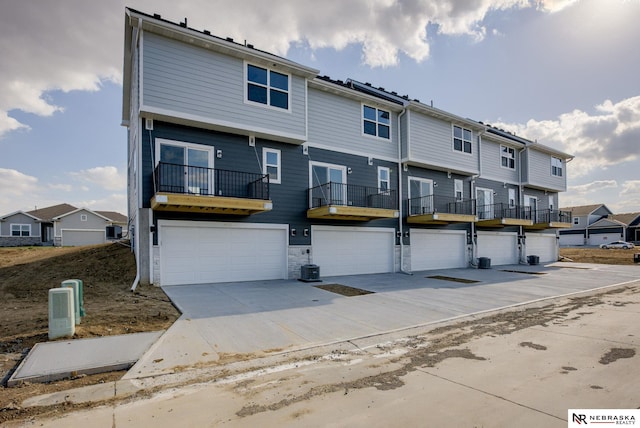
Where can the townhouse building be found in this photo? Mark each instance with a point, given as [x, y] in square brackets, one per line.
[246, 166]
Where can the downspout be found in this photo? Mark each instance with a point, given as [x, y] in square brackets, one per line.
[474, 238]
[523, 239]
[136, 228]
[400, 205]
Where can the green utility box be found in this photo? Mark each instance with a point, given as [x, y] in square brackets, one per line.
[78, 297]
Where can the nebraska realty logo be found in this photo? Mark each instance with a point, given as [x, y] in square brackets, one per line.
[599, 417]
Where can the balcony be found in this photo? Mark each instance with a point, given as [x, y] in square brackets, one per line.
[338, 201]
[434, 209]
[184, 188]
[551, 219]
[499, 215]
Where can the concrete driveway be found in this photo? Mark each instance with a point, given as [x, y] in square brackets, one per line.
[230, 321]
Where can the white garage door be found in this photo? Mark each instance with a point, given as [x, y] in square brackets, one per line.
[352, 250]
[207, 252]
[438, 249]
[572, 240]
[76, 238]
[542, 245]
[604, 238]
[500, 247]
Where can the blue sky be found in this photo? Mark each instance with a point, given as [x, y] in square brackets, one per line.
[562, 72]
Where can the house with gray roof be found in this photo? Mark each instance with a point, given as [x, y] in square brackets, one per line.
[61, 225]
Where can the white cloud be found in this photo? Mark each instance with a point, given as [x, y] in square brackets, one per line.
[608, 137]
[594, 186]
[77, 44]
[554, 5]
[113, 202]
[15, 183]
[106, 177]
[62, 187]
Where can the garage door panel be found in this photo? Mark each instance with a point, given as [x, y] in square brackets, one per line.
[351, 250]
[436, 249]
[604, 238]
[500, 247]
[205, 252]
[76, 238]
[543, 245]
[572, 239]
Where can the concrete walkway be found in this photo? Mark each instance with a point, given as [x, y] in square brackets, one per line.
[225, 322]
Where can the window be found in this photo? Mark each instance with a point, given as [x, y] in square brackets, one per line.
[271, 164]
[556, 167]
[551, 202]
[327, 184]
[83, 217]
[458, 189]
[20, 230]
[267, 87]
[512, 198]
[576, 220]
[383, 178]
[508, 157]
[461, 139]
[420, 196]
[376, 122]
[185, 167]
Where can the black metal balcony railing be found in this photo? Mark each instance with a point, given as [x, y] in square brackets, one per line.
[186, 179]
[433, 204]
[552, 216]
[352, 195]
[501, 210]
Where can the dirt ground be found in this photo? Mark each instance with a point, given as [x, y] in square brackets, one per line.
[107, 272]
[26, 274]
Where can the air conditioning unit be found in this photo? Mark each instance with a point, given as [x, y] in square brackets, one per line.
[310, 273]
[78, 296]
[61, 313]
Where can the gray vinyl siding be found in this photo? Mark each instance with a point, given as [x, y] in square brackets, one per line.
[431, 143]
[19, 218]
[188, 80]
[73, 221]
[491, 159]
[290, 198]
[336, 122]
[539, 171]
[500, 192]
[543, 200]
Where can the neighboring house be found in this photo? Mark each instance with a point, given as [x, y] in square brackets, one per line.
[583, 218]
[245, 166]
[19, 229]
[61, 225]
[631, 222]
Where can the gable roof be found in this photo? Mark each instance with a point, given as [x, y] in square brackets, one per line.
[49, 213]
[81, 209]
[3, 218]
[113, 216]
[626, 218]
[607, 222]
[585, 209]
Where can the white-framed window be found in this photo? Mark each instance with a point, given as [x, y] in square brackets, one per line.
[267, 87]
[458, 189]
[376, 122]
[420, 196]
[186, 167]
[384, 178]
[83, 217]
[484, 203]
[576, 220]
[327, 183]
[512, 198]
[271, 164]
[20, 229]
[556, 167]
[462, 139]
[508, 157]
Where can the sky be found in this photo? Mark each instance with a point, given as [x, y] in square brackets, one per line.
[564, 73]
